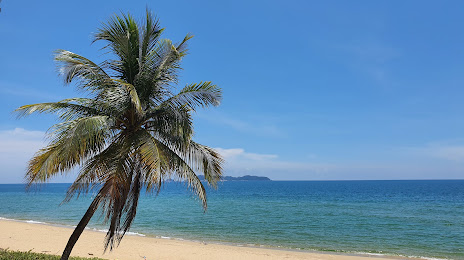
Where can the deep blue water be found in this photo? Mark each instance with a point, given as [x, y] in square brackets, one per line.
[409, 218]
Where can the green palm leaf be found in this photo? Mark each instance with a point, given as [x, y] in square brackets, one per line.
[195, 95]
[71, 142]
[89, 75]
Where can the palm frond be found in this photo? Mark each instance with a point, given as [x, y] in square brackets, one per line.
[90, 76]
[159, 71]
[182, 46]
[133, 96]
[206, 160]
[182, 170]
[150, 34]
[130, 208]
[71, 143]
[151, 159]
[122, 36]
[67, 109]
[98, 169]
[175, 126]
[202, 94]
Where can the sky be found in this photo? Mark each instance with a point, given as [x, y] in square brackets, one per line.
[313, 90]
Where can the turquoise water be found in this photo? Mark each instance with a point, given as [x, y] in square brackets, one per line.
[408, 218]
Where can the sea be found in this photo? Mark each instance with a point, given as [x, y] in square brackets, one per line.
[416, 218]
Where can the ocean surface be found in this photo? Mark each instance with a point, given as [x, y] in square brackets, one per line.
[403, 218]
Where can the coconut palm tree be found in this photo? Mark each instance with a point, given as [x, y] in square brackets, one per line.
[130, 132]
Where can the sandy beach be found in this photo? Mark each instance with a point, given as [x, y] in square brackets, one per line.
[15, 235]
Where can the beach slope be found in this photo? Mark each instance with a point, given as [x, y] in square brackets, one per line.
[15, 235]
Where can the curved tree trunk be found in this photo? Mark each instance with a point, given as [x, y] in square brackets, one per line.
[80, 227]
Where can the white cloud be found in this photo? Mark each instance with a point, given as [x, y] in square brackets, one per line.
[239, 162]
[454, 153]
[21, 91]
[431, 162]
[254, 128]
[371, 58]
[16, 148]
[21, 133]
[238, 153]
[444, 151]
[20, 142]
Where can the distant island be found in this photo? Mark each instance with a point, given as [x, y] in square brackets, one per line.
[242, 178]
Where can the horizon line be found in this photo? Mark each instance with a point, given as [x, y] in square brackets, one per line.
[278, 180]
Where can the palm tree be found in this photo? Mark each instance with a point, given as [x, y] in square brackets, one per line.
[130, 132]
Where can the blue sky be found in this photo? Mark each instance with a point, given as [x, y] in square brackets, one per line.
[313, 90]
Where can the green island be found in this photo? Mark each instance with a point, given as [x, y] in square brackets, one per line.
[241, 178]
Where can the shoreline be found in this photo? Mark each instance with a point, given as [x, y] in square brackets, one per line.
[40, 237]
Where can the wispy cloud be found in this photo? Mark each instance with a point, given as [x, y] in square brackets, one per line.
[17, 146]
[238, 153]
[20, 91]
[19, 138]
[371, 58]
[374, 53]
[243, 126]
[240, 162]
[411, 163]
[450, 151]
[434, 160]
